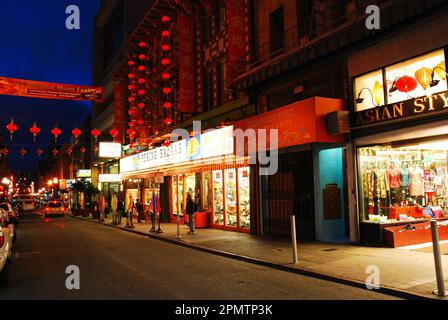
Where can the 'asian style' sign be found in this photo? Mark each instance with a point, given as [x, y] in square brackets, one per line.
[48, 90]
[425, 105]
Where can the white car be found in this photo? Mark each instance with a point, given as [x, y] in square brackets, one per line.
[6, 246]
[26, 202]
[54, 208]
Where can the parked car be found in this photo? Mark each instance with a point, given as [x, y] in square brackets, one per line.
[6, 247]
[26, 202]
[54, 208]
[13, 213]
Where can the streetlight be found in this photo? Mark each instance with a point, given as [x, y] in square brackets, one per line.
[55, 180]
[50, 183]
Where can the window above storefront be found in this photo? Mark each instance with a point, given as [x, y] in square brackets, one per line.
[418, 77]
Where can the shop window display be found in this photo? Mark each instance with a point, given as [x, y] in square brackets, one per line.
[208, 191]
[218, 198]
[403, 183]
[244, 197]
[231, 200]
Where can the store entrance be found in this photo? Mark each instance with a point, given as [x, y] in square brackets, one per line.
[290, 191]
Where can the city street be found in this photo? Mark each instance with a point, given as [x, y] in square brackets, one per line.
[119, 265]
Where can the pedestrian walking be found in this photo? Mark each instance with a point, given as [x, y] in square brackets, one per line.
[191, 209]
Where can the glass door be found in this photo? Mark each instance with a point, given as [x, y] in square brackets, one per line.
[231, 198]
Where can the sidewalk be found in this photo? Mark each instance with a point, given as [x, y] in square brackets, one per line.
[403, 272]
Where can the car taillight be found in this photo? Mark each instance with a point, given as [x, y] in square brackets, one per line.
[2, 240]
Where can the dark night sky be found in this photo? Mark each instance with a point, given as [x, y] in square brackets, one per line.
[35, 45]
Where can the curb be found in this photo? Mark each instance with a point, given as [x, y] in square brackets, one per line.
[297, 270]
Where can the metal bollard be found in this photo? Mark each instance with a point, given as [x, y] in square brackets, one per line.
[437, 260]
[294, 239]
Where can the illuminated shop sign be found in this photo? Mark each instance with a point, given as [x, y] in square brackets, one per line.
[84, 173]
[109, 178]
[210, 144]
[418, 77]
[425, 105]
[110, 150]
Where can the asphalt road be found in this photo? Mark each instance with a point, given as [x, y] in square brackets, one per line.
[119, 265]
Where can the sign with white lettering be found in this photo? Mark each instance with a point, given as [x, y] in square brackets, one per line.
[110, 150]
[84, 173]
[109, 178]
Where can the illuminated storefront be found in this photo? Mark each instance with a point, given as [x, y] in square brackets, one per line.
[204, 166]
[400, 139]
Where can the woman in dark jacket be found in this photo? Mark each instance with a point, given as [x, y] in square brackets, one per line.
[191, 208]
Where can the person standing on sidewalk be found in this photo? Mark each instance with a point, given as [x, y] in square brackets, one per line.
[139, 209]
[191, 208]
[113, 207]
[101, 207]
[120, 210]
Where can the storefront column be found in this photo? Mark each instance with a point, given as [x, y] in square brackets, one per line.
[353, 193]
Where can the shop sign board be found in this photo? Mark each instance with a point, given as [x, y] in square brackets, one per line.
[110, 150]
[84, 173]
[213, 143]
[110, 178]
[417, 107]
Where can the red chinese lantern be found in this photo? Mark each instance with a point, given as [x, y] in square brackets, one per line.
[165, 33]
[166, 76]
[141, 105]
[140, 122]
[406, 84]
[5, 151]
[39, 152]
[141, 92]
[131, 75]
[76, 133]
[113, 132]
[56, 132]
[142, 56]
[82, 150]
[165, 61]
[141, 68]
[54, 152]
[166, 90]
[34, 131]
[167, 143]
[141, 80]
[131, 111]
[12, 127]
[95, 133]
[167, 121]
[167, 105]
[131, 123]
[142, 44]
[131, 87]
[130, 132]
[131, 63]
[23, 152]
[69, 151]
[131, 99]
[165, 19]
[166, 47]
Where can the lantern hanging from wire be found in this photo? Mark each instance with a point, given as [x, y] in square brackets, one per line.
[113, 132]
[54, 152]
[5, 151]
[34, 131]
[56, 132]
[76, 133]
[23, 152]
[12, 128]
[39, 152]
[95, 133]
[406, 84]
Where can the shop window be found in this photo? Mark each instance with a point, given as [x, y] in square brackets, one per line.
[218, 198]
[231, 200]
[418, 72]
[304, 17]
[174, 195]
[244, 197]
[421, 76]
[403, 183]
